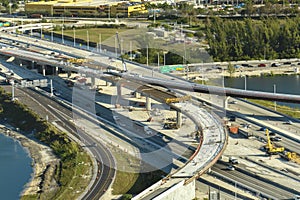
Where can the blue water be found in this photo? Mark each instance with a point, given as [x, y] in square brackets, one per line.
[15, 168]
[281, 84]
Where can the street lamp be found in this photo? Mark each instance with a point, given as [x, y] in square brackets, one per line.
[274, 89]
[87, 39]
[158, 59]
[116, 47]
[121, 50]
[62, 35]
[245, 82]
[41, 32]
[147, 52]
[130, 50]
[74, 37]
[10, 4]
[100, 49]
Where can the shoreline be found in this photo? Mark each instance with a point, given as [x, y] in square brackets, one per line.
[42, 161]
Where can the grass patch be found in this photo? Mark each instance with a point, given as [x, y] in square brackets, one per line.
[128, 179]
[73, 172]
[93, 33]
[292, 112]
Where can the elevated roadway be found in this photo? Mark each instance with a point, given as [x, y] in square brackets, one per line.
[200, 88]
[103, 174]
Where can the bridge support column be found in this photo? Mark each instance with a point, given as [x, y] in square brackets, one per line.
[56, 71]
[148, 103]
[44, 70]
[119, 91]
[32, 64]
[137, 95]
[225, 103]
[93, 82]
[178, 119]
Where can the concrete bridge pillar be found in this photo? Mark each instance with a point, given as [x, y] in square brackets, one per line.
[44, 70]
[148, 103]
[178, 119]
[225, 103]
[93, 82]
[137, 95]
[56, 71]
[119, 90]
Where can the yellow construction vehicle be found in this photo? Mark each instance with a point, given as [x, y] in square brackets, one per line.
[270, 147]
[178, 99]
[292, 156]
[76, 60]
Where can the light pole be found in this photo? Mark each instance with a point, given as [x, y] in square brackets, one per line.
[147, 52]
[100, 49]
[130, 50]
[10, 4]
[12, 82]
[62, 35]
[22, 23]
[87, 39]
[158, 59]
[108, 11]
[274, 88]
[245, 82]
[116, 47]
[121, 50]
[51, 35]
[74, 37]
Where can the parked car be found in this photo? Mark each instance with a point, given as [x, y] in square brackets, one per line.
[276, 139]
[233, 102]
[275, 65]
[262, 65]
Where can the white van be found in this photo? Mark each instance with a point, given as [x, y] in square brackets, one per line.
[147, 130]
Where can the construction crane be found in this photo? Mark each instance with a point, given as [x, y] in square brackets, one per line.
[270, 147]
[123, 62]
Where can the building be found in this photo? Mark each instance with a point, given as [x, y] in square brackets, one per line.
[97, 8]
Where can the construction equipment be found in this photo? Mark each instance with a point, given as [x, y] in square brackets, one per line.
[123, 62]
[270, 147]
[292, 156]
[178, 99]
[76, 60]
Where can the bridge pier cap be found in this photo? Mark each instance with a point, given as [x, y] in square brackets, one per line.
[123, 103]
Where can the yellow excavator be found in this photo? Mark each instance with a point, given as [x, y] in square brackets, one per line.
[270, 147]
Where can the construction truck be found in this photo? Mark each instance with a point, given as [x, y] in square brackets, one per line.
[271, 149]
[178, 99]
[76, 60]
